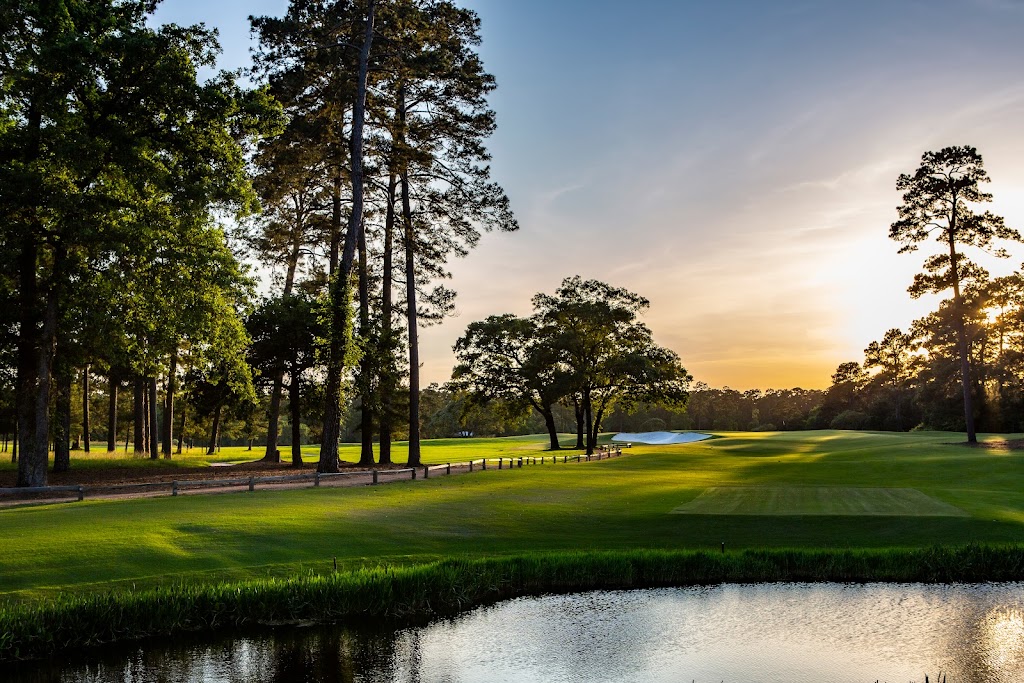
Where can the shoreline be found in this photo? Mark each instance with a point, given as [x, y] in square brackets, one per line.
[396, 594]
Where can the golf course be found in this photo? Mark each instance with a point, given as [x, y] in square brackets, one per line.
[799, 490]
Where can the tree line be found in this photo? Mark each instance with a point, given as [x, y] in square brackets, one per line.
[135, 194]
[961, 367]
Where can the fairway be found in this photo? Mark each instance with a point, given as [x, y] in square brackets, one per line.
[817, 500]
[811, 490]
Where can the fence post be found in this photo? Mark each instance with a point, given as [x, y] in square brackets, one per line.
[426, 472]
[374, 476]
[484, 463]
[316, 479]
[81, 494]
[174, 488]
[501, 461]
[413, 472]
[448, 469]
[252, 484]
[520, 463]
[471, 465]
[565, 459]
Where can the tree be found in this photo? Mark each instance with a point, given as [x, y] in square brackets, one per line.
[225, 386]
[285, 334]
[504, 358]
[937, 202]
[110, 130]
[290, 224]
[316, 61]
[437, 120]
[608, 354]
[893, 356]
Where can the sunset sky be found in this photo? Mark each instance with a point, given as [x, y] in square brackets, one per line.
[734, 162]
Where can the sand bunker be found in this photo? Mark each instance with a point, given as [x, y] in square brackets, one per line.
[660, 438]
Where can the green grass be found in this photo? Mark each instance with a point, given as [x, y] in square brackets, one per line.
[33, 631]
[817, 500]
[614, 505]
[435, 451]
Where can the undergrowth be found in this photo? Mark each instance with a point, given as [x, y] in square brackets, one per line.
[418, 591]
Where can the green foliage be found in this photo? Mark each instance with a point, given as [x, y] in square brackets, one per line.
[582, 342]
[286, 333]
[850, 419]
[115, 161]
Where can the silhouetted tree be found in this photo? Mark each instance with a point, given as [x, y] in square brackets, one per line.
[937, 202]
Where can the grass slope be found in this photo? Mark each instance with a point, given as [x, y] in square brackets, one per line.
[617, 504]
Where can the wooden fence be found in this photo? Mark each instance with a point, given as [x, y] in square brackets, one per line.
[314, 479]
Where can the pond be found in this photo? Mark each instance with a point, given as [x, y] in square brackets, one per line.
[797, 633]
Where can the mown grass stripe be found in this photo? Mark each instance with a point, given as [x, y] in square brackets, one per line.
[822, 501]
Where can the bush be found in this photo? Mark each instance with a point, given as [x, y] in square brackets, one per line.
[850, 419]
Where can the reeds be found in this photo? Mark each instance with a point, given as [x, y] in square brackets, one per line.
[445, 587]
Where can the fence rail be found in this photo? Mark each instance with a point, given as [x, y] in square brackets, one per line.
[375, 476]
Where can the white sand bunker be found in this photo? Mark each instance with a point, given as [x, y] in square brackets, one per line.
[660, 438]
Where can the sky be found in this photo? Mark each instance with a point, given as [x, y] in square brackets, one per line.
[735, 162]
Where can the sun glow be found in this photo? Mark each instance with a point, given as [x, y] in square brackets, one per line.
[1002, 632]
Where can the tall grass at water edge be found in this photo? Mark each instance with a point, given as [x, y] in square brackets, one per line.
[388, 593]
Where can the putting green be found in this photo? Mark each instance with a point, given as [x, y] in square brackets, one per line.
[817, 500]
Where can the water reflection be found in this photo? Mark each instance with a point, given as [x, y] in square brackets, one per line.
[793, 633]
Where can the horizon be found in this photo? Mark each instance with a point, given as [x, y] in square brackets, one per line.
[756, 193]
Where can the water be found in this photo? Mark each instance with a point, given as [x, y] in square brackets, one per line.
[796, 633]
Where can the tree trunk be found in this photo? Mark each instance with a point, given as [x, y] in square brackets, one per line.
[29, 471]
[62, 422]
[578, 407]
[335, 252]
[45, 372]
[112, 386]
[172, 388]
[549, 422]
[145, 416]
[588, 412]
[31, 345]
[154, 435]
[295, 405]
[272, 453]
[366, 362]
[597, 423]
[386, 384]
[139, 407]
[961, 330]
[214, 432]
[341, 313]
[409, 241]
[14, 444]
[181, 429]
[86, 427]
[411, 316]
